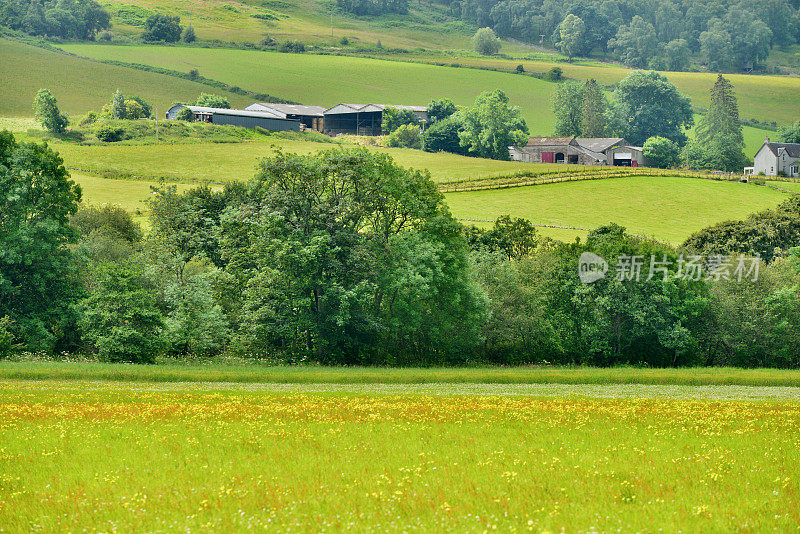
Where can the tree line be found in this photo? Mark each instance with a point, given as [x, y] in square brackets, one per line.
[64, 19]
[343, 257]
[662, 35]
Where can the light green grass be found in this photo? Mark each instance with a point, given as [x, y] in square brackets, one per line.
[129, 194]
[221, 162]
[116, 457]
[329, 80]
[669, 208]
[81, 85]
[789, 186]
[243, 371]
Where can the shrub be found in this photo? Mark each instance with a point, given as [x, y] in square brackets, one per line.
[212, 101]
[520, 69]
[188, 35]
[109, 133]
[295, 47]
[105, 36]
[406, 136]
[89, 118]
[555, 74]
[486, 42]
[185, 114]
[45, 109]
[162, 28]
[194, 74]
[661, 152]
[6, 337]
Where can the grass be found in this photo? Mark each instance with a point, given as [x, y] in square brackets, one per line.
[668, 208]
[105, 457]
[246, 371]
[789, 186]
[81, 85]
[220, 162]
[329, 80]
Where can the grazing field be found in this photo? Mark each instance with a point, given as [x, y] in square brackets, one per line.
[789, 186]
[149, 457]
[328, 80]
[668, 208]
[81, 85]
[220, 162]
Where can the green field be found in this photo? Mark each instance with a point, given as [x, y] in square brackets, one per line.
[329, 80]
[81, 85]
[669, 208]
[147, 457]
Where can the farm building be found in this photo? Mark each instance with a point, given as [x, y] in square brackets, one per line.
[238, 117]
[774, 159]
[311, 117]
[362, 119]
[579, 151]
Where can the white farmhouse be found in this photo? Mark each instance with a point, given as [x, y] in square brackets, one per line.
[774, 159]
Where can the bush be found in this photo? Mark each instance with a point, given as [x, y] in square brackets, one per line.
[185, 114]
[443, 136]
[555, 74]
[406, 136]
[89, 118]
[520, 69]
[109, 133]
[662, 153]
[486, 42]
[106, 36]
[295, 47]
[188, 35]
[162, 28]
[212, 101]
[194, 74]
[6, 337]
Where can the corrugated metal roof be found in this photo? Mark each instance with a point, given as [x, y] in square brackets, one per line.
[599, 144]
[550, 141]
[367, 108]
[288, 109]
[239, 112]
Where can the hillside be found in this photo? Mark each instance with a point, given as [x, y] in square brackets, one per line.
[79, 84]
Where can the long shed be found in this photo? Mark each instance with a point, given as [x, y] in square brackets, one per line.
[238, 117]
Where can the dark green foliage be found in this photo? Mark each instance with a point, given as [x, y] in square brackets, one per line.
[162, 28]
[185, 114]
[120, 316]
[514, 237]
[567, 104]
[635, 43]
[64, 19]
[373, 7]
[648, 105]
[109, 133]
[443, 136]
[569, 36]
[346, 258]
[555, 74]
[188, 35]
[661, 153]
[677, 55]
[790, 133]
[112, 219]
[593, 110]
[6, 336]
[37, 288]
[492, 125]
[439, 110]
[765, 234]
[45, 109]
[393, 118]
[295, 47]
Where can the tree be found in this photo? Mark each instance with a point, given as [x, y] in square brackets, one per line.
[716, 48]
[393, 118]
[188, 34]
[37, 287]
[439, 110]
[567, 104]
[635, 43]
[491, 125]
[133, 110]
[593, 110]
[405, 136]
[344, 257]
[45, 109]
[118, 110]
[443, 136]
[661, 153]
[570, 34]
[486, 42]
[212, 101]
[162, 28]
[120, 316]
[677, 55]
[719, 143]
[791, 133]
[649, 105]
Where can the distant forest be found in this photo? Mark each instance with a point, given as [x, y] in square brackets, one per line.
[64, 19]
[661, 34]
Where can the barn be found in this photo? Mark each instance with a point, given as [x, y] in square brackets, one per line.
[311, 117]
[238, 117]
[362, 119]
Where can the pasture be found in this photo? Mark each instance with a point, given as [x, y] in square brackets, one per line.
[328, 80]
[215, 457]
[81, 85]
[667, 208]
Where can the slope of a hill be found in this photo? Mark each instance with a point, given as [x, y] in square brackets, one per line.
[668, 208]
[328, 80]
[81, 85]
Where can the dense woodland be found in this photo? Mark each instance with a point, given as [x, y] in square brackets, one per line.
[345, 258]
[64, 19]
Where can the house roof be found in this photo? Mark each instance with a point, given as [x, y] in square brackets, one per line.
[792, 149]
[287, 109]
[364, 108]
[550, 141]
[599, 144]
[237, 112]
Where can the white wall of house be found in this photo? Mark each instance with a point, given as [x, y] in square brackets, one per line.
[765, 162]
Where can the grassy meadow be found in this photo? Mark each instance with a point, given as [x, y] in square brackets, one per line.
[81, 85]
[149, 457]
[668, 208]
